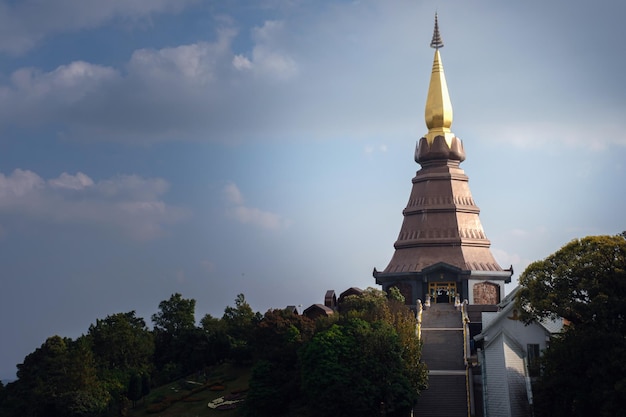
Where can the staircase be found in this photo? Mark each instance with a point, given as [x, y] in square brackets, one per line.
[442, 351]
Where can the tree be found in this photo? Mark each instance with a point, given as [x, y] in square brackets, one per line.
[275, 378]
[217, 340]
[350, 368]
[175, 315]
[583, 374]
[59, 379]
[584, 282]
[584, 368]
[122, 341]
[134, 390]
[146, 384]
[174, 325]
[239, 321]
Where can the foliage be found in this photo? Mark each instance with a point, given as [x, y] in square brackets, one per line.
[350, 369]
[584, 374]
[275, 376]
[584, 368]
[134, 391]
[395, 294]
[176, 336]
[58, 379]
[216, 338]
[267, 396]
[369, 352]
[175, 316]
[584, 282]
[371, 305]
[346, 366]
[239, 321]
[123, 342]
[146, 384]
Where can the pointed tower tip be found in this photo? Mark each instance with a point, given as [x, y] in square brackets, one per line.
[436, 42]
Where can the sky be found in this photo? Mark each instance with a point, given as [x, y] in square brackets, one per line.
[212, 148]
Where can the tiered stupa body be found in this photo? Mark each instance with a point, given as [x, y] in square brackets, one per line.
[442, 250]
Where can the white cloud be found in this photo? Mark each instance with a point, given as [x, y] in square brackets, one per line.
[197, 63]
[74, 182]
[24, 23]
[270, 58]
[18, 184]
[571, 133]
[352, 70]
[130, 204]
[240, 62]
[370, 149]
[233, 194]
[251, 215]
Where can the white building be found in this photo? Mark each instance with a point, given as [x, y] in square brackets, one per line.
[508, 353]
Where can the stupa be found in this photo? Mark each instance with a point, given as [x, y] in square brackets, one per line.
[442, 252]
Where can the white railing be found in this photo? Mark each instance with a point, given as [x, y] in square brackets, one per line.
[466, 358]
[418, 316]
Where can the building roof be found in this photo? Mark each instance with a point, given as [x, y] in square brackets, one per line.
[317, 310]
[508, 309]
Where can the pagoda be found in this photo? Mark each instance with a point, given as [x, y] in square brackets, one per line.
[442, 253]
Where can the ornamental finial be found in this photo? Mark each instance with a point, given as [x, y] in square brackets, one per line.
[436, 42]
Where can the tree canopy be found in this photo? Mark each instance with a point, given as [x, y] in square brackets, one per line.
[122, 341]
[346, 364]
[175, 315]
[584, 282]
[584, 368]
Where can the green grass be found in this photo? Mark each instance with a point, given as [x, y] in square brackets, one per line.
[230, 376]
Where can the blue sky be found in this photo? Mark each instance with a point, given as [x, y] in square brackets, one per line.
[220, 147]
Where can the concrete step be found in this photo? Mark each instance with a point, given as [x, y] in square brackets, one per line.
[441, 315]
[443, 349]
[446, 396]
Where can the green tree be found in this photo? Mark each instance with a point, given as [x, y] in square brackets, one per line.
[275, 381]
[122, 341]
[583, 374]
[584, 368]
[146, 384]
[584, 282]
[350, 368]
[239, 321]
[395, 294]
[59, 379]
[134, 390]
[267, 396]
[371, 305]
[175, 315]
[175, 332]
[217, 340]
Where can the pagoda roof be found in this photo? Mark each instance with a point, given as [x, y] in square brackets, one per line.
[441, 223]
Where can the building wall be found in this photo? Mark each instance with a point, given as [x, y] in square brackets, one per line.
[516, 378]
[496, 392]
[532, 334]
[505, 369]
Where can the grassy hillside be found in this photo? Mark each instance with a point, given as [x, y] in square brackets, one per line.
[190, 397]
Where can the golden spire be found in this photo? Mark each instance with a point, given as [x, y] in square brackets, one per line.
[438, 105]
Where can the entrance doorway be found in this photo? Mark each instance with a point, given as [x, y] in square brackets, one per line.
[442, 292]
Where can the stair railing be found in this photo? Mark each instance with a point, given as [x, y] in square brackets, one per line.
[418, 316]
[466, 333]
[466, 360]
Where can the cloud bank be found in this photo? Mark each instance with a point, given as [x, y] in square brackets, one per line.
[347, 70]
[242, 213]
[25, 23]
[130, 204]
